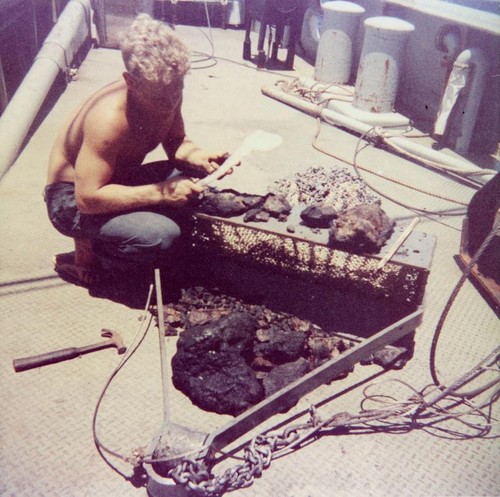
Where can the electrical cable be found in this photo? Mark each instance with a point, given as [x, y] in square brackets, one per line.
[425, 213]
[211, 57]
[202, 56]
[495, 231]
[357, 167]
[138, 339]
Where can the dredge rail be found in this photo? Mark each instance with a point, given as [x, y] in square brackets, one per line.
[284, 398]
[195, 475]
[242, 248]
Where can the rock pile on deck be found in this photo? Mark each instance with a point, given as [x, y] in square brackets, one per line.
[231, 355]
[334, 199]
[334, 187]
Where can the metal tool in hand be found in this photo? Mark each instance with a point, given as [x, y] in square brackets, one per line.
[260, 141]
[113, 340]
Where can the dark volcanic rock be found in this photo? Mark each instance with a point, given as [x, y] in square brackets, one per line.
[256, 215]
[227, 203]
[317, 216]
[391, 357]
[284, 374]
[210, 368]
[364, 228]
[279, 346]
[233, 353]
[276, 205]
[230, 203]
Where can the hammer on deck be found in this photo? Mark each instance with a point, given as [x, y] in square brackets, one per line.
[113, 340]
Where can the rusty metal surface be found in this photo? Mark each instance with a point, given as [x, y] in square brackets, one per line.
[306, 254]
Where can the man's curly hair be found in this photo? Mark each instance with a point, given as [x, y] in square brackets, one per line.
[151, 51]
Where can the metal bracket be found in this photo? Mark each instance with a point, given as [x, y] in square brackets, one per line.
[161, 486]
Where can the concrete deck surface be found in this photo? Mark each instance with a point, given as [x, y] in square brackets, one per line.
[46, 420]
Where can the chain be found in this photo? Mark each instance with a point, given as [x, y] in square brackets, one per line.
[195, 475]
[257, 457]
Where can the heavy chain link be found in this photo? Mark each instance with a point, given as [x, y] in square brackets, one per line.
[257, 457]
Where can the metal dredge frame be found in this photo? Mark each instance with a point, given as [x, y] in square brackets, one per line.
[298, 257]
[313, 260]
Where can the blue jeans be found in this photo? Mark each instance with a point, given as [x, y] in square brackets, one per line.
[133, 238]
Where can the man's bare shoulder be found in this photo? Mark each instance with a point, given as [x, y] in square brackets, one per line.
[105, 114]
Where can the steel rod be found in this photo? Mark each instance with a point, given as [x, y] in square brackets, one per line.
[398, 243]
[163, 349]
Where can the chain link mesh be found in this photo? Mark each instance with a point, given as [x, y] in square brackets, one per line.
[308, 260]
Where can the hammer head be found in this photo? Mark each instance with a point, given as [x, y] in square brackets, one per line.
[115, 340]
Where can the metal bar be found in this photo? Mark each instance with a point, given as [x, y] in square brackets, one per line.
[393, 249]
[163, 349]
[4, 97]
[323, 374]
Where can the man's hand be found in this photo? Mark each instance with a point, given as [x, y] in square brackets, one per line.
[200, 162]
[206, 160]
[178, 191]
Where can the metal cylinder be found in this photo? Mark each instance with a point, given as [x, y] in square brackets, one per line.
[339, 27]
[57, 52]
[380, 63]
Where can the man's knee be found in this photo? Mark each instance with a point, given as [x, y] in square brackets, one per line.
[143, 237]
[158, 235]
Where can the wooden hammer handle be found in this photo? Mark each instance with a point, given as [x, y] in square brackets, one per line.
[36, 361]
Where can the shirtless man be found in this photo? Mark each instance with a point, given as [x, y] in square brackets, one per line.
[96, 192]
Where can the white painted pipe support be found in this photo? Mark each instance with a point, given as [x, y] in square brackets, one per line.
[476, 58]
[338, 34]
[380, 63]
[456, 81]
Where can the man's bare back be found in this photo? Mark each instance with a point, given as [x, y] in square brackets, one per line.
[109, 105]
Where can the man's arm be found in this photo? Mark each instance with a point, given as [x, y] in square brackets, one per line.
[178, 146]
[94, 170]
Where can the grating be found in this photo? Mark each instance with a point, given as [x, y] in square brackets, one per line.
[309, 259]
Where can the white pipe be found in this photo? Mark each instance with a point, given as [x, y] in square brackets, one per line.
[469, 69]
[57, 52]
[452, 164]
[451, 43]
[476, 58]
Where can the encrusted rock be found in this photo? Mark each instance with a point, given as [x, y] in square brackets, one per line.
[323, 348]
[279, 346]
[391, 356]
[317, 216]
[232, 354]
[227, 203]
[283, 375]
[277, 205]
[335, 187]
[230, 203]
[203, 316]
[256, 215]
[364, 228]
[209, 366]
